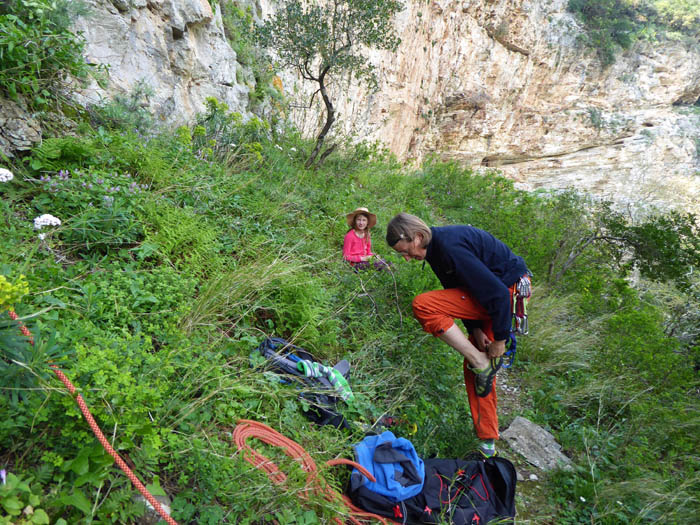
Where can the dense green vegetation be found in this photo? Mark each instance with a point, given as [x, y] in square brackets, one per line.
[39, 55]
[613, 25]
[177, 252]
[176, 255]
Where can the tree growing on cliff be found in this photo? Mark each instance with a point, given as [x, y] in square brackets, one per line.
[324, 39]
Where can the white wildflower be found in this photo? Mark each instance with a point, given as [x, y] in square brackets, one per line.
[46, 220]
[292, 149]
[6, 175]
[582, 499]
[278, 147]
[42, 236]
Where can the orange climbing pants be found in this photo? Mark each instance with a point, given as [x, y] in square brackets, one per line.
[436, 312]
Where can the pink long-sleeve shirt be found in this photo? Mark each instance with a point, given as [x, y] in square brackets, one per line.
[355, 248]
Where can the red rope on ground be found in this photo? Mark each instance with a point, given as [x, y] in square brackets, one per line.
[98, 433]
[244, 430]
[253, 429]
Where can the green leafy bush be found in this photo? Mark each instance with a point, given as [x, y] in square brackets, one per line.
[612, 25]
[126, 111]
[183, 237]
[99, 209]
[39, 54]
[131, 299]
[19, 503]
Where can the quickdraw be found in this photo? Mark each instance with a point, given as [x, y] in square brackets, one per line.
[521, 296]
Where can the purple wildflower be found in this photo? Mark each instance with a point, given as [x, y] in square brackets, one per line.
[3, 476]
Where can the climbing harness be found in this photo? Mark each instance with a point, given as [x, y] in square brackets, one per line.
[96, 429]
[314, 483]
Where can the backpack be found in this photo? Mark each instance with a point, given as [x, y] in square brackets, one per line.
[398, 470]
[462, 492]
[283, 358]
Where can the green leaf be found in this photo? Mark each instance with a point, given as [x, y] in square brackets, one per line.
[12, 505]
[77, 500]
[155, 488]
[50, 299]
[80, 465]
[91, 477]
[40, 517]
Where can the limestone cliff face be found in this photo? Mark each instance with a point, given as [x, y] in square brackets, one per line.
[176, 47]
[504, 84]
[489, 83]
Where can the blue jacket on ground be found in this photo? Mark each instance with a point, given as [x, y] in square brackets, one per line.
[394, 463]
[473, 259]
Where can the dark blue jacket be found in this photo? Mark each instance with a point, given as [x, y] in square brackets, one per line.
[473, 259]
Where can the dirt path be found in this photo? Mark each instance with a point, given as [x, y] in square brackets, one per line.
[530, 499]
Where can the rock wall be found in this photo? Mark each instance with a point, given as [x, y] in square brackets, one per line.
[505, 84]
[489, 83]
[176, 47]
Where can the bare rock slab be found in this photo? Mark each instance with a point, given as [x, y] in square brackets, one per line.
[18, 130]
[535, 444]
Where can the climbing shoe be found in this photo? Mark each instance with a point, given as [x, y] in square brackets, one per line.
[483, 377]
[480, 455]
[487, 453]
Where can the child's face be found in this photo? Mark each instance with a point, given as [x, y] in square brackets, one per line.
[360, 222]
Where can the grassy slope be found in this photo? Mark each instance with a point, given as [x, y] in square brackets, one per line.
[156, 298]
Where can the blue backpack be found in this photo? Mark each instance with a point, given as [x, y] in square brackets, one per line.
[393, 462]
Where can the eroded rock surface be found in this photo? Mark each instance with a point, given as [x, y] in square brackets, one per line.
[18, 130]
[505, 84]
[535, 444]
[489, 83]
[175, 47]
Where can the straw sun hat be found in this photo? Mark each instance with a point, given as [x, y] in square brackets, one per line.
[372, 218]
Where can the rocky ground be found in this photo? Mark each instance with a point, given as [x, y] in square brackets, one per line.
[530, 496]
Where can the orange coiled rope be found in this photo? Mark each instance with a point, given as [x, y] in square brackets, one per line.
[253, 429]
[98, 433]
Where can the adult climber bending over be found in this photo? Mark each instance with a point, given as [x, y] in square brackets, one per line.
[479, 274]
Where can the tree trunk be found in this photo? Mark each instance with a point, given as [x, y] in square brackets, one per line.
[330, 119]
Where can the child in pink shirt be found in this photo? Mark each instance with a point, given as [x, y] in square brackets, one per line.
[357, 246]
